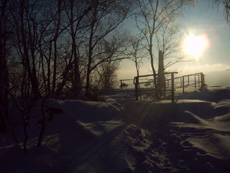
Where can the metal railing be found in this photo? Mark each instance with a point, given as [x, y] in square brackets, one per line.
[155, 89]
[196, 80]
[144, 85]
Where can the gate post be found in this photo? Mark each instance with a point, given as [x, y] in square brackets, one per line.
[188, 80]
[172, 86]
[136, 87]
[195, 80]
[202, 81]
[183, 84]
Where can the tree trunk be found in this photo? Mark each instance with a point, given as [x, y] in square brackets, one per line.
[161, 75]
[31, 72]
[77, 80]
[3, 71]
[90, 50]
[152, 62]
[55, 47]
[87, 87]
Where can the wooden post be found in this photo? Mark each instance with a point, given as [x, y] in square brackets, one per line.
[183, 84]
[202, 80]
[136, 87]
[195, 80]
[188, 80]
[199, 81]
[172, 86]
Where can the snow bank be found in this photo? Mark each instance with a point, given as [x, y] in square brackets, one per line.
[123, 135]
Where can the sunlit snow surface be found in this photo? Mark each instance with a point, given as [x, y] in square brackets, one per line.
[124, 135]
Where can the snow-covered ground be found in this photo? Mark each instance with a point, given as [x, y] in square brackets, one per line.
[123, 135]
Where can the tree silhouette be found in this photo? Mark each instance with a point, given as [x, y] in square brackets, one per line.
[151, 18]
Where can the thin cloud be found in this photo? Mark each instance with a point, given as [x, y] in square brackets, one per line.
[206, 68]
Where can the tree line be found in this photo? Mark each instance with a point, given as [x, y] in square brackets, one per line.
[56, 48]
[66, 48]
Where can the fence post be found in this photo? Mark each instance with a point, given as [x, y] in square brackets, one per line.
[136, 87]
[183, 84]
[195, 80]
[172, 86]
[202, 80]
[188, 80]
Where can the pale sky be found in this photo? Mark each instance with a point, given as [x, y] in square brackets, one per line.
[202, 19]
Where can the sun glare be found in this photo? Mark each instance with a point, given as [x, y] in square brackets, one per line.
[195, 45]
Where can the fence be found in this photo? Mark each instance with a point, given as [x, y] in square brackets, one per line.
[151, 89]
[196, 80]
[145, 88]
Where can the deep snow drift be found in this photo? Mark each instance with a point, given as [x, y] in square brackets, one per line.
[123, 135]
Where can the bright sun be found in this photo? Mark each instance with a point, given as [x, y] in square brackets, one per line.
[194, 45]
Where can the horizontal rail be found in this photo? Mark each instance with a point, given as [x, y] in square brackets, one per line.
[126, 79]
[195, 74]
[156, 74]
[196, 79]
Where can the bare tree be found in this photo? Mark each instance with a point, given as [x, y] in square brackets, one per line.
[25, 14]
[152, 16]
[136, 52]
[76, 25]
[105, 18]
[107, 76]
[169, 42]
[226, 4]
